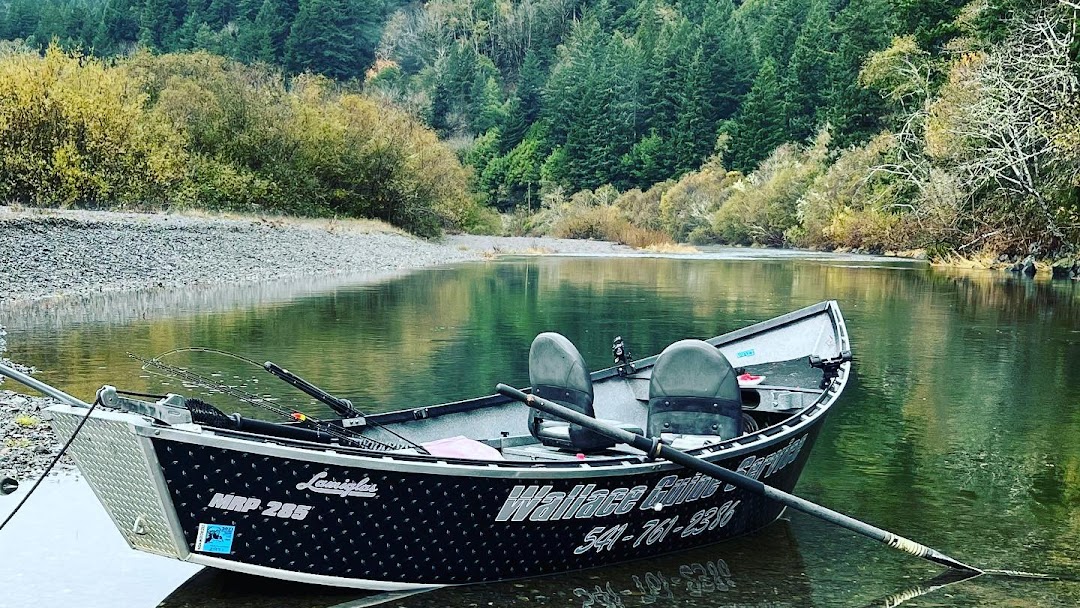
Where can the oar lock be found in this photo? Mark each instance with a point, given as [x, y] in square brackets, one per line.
[830, 367]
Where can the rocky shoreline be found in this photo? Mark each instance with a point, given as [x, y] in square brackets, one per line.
[28, 443]
[72, 253]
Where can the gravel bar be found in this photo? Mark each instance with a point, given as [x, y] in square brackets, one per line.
[72, 253]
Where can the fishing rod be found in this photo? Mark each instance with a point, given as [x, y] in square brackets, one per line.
[343, 407]
[206, 410]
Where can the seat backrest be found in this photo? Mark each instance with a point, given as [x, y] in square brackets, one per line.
[694, 391]
[557, 373]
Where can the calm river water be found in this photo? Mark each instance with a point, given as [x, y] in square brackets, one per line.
[960, 429]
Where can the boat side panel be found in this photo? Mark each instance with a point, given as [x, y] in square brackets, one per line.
[321, 520]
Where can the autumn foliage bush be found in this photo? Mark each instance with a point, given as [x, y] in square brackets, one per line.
[74, 132]
[595, 214]
[762, 208]
[854, 205]
[198, 130]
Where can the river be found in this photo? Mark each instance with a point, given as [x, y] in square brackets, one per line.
[960, 428]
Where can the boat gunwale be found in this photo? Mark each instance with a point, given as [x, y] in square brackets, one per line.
[416, 463]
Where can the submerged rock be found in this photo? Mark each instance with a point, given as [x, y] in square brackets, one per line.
[8, 485]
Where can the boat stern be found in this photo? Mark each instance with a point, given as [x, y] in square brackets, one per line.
[122, 469]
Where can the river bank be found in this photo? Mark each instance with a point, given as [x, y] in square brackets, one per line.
[69, 253]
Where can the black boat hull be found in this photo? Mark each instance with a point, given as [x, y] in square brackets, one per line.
[396, 529]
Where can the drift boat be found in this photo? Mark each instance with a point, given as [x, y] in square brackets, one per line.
[480, 490]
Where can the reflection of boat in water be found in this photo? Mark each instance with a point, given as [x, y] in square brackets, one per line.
[481, 490]
[765, 569]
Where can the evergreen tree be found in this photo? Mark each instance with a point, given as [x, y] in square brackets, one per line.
[643, 163]
[219, 12]
[728, 62]
[487, 110]
[440, 108]
[248, 9]
[627, 111]
[759, 127]
[514, 127]
[567, 93]
[270, 30]
[159, 22]
[578, 96]
[807, 80]
[530, 86]
[666, 73]
[694, 136]
[781, 30]
[118, 28]
[933, 22]
[335, 38]
[22, 20]
[855, 113]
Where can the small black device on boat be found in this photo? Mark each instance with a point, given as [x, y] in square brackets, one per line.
[624, 363]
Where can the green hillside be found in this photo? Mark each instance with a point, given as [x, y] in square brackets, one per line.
[881, 124]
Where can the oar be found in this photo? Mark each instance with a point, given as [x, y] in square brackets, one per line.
[654, 449]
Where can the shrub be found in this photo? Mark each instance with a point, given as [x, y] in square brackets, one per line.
[74, 132]
[762, 208]
[853, 205]
[594, 214]
[702, 235]
[203, 131]
[642, 209]
[690, 203]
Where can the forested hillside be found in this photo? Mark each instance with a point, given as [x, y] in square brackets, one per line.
[879, 124]
[336, 38]
[633, 92]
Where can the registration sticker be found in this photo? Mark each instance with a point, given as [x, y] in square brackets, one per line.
[745, 353]
[215, 538]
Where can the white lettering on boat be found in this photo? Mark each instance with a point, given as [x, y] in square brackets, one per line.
[541, 503]
[243, 504]
[363, 488]
[757, 467]
[583, 501]
[229, 502]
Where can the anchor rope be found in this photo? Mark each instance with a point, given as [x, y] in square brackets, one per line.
[55, 459]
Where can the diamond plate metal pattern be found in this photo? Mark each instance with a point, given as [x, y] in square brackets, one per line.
[109, 454]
